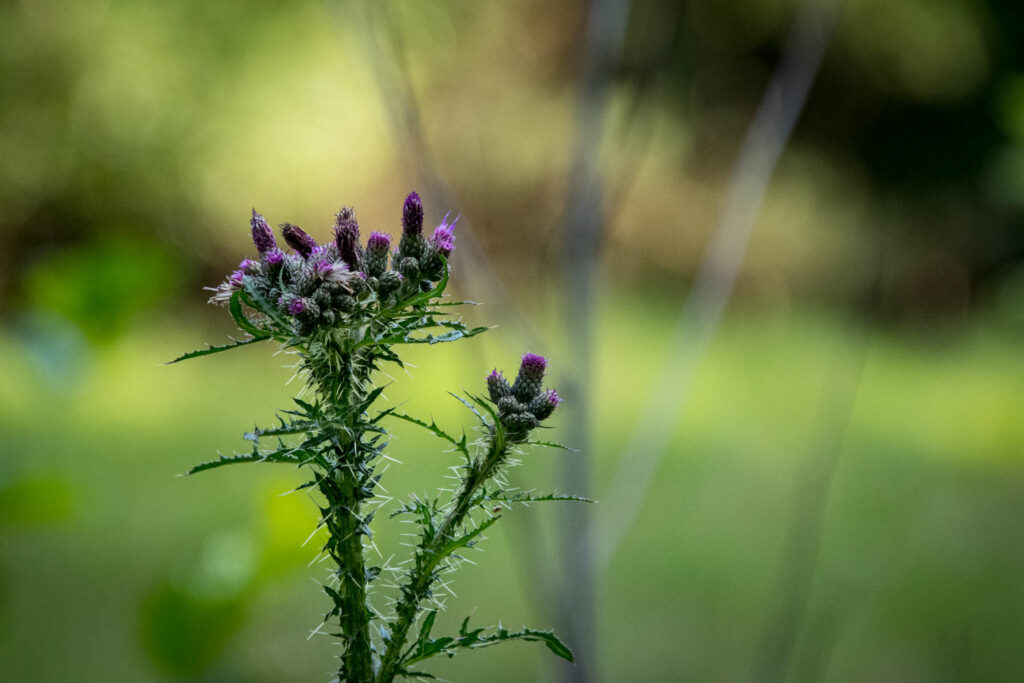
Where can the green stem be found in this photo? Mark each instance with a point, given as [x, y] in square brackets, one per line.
[430, 555]
[340, 382]
[357, 660]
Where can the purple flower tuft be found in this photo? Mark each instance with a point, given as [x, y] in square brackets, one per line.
[323, 268]
[443, 239]
[533, 366]
[249, 267]
[531, 373]
[235, 279]
[262, 235]
[378, 242]
[274, 257]
[362, 274]
[412, 215]
[297, 239]
[297, 306]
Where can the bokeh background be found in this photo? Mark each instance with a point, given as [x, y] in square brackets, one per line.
[773, 249]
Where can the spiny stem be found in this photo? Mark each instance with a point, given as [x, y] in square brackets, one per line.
[422, 575]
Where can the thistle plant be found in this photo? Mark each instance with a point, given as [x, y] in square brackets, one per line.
[345, 310]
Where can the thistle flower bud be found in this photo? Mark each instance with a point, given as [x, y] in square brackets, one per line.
[545, 404]
[508, 405]
[412, 215]
[531, 373]
[235, 279]
[262, 235]
[346, 235]
[520, 423]
[443, 239]
[497, 386]
[297, 239]
[376, 257]
[249, 267]
[389, 281]
[409, 267]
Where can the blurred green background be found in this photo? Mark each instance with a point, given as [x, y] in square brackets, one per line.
[841, 493]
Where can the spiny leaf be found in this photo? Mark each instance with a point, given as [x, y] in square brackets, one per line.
[550, 444]
[463, 541]
[210, 349]
[530, 498]
[281, 456]
[460, 444]
[471, 407]
[470, 639]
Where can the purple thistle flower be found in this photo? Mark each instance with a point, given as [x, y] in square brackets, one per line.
[249, 267]
[412, 215]
[235, 279]
[346, 231]
[545, 404]
[379, 242]
[297, 307]
[533, 367]
[323, 268]
[262, 235]
[443, 239]
[297, 239]
[275, 257]
[531, 373]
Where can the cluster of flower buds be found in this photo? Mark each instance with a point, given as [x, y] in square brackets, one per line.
[319, 284]
[524, 403]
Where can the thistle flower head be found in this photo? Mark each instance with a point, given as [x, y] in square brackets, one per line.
[531, 373]
[235, 279]
[297, 239]
[346, 234]
[443, 239]
[297, 306]
[412, 215]
[274, 257]
[379, 242]
[497, 386]
[545, 404]
[533, 367]
[262, 235]
[249, 267]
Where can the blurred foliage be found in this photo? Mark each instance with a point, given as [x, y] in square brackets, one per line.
[170, 120]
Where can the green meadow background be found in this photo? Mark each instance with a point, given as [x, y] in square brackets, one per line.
[841, 494]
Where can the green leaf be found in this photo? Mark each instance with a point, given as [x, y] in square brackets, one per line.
[472, 408]
[462, 541]
[235, 307]
[426, 647]
[210, 349]
[283, 455]
[525, 497]
[550, 444]
[460, 444]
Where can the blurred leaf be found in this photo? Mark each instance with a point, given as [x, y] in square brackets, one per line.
[185, 635]
[102, 285]
[35, 500]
